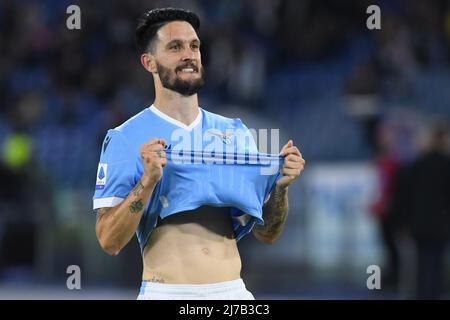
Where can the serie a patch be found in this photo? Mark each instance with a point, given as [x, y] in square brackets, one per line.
[102, 174]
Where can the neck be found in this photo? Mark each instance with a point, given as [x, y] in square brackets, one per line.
[181, 108]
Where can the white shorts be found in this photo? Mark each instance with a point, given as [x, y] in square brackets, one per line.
[228, 290]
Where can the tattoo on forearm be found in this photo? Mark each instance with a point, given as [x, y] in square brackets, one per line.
[155, 279]
[138, 188]
[281, 201]
[274, 215]
[137, 205]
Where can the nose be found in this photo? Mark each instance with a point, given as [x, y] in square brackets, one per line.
[189, 55]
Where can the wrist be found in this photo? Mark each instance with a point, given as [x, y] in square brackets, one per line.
[148, 182]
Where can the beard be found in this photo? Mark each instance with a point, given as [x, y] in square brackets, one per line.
[170, 79]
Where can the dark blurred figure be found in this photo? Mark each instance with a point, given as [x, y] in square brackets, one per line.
[387, 164]
[17, 231]
[25, 206]
[422, 199]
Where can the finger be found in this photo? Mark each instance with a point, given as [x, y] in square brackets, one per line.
[162, 142]
[148, 146]
[152, 141]
[154, 160]
[292, 150]
[290, 172]
[160, 153]
[293, 165]
[151, 148]
[163, 162]
[289, 144]
[152, 155]
[156, 141]
[293, 157]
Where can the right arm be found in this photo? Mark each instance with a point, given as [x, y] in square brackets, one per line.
[116, 226]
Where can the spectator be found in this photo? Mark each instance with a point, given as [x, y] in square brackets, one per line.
[422, 200]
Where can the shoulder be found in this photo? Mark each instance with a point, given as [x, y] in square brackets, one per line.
[217, 118]
[135, 123]
[124, 135]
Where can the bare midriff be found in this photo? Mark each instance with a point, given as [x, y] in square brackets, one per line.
[194, 247]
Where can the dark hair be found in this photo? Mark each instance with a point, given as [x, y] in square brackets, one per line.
[150, 22]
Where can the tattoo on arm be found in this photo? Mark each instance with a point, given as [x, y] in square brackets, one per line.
[138, 188]
[156, 279]
[275, 214]
[137, 205]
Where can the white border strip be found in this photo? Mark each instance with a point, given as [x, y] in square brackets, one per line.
[107, 202]
[175, 121]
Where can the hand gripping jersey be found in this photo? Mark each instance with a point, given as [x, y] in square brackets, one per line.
[214, 161]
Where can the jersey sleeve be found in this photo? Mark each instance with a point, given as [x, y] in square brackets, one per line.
[116, 170]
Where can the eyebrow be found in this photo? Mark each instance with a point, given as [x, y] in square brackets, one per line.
[197, 41]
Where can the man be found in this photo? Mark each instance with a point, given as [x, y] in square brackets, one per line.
[187, 216]
[422, 207]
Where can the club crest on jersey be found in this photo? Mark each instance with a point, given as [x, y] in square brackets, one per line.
[102, 174]
[222, 135]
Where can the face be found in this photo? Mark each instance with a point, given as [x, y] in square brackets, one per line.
[177, 58]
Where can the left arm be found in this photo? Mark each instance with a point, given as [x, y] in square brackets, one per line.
[275, 210]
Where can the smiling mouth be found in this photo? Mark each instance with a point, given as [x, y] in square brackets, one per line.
[187, 69]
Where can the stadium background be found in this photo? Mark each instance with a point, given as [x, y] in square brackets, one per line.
[310, 68]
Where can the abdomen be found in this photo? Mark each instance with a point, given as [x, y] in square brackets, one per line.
[194, 247]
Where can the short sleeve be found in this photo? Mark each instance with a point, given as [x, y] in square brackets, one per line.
[116, 170]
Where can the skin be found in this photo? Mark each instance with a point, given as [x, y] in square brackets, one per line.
[195, 247]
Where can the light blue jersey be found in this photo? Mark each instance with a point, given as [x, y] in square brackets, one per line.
[214, 161]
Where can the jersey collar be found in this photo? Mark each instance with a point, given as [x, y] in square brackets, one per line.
[175, 122]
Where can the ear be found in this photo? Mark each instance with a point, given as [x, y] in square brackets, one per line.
[148, 62]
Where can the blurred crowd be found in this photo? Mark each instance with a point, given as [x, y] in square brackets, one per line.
[60, 89]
